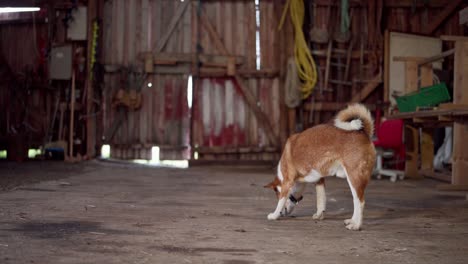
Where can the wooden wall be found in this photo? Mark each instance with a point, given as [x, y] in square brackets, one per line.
[222, 122]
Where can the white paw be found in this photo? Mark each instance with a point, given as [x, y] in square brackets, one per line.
[273, 216]
[318, 216]
[353, 226]
[348, 221]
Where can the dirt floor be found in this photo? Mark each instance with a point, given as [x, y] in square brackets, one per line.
[100, 212]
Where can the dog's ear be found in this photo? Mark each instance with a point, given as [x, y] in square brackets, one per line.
[273, 184]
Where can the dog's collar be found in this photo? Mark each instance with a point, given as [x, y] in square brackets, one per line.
[294, 200]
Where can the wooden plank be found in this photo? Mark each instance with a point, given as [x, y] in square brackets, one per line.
[436, 57]
[441, 17]
[453, 38]
[253, 124]
[227, 37]
[187, 31]
[170, 28]
[368, 89]
[72, 117]
[430, 113]
[386, 66]
[155, 14]
[250, 28]
[408, 58]
[340, 53]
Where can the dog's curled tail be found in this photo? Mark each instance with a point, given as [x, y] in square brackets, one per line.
[355, 117]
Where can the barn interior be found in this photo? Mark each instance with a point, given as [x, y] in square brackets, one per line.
[144, 131]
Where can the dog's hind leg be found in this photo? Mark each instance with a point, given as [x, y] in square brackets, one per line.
[357, 185]
[285, 187]
[321, 200]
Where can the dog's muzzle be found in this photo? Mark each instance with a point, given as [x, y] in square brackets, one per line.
[293, 202]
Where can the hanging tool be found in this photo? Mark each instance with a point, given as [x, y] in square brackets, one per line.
[307, 69]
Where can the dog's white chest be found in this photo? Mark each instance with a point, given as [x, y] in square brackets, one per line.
[338, 170]
[312, 176]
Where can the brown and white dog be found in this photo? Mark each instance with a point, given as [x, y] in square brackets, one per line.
[343, 148]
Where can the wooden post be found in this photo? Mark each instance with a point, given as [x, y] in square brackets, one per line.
[411, 78]
[460, 130]
[411, 166]
[427, 141]
[63, 108]
[386, 66]
[412, 145]
[72, 115]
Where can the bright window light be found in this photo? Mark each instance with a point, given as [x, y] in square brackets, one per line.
[105, 151]
[155, 154]
[195, 155]
[33, 152]
[3, 154]
[150, 85]
[257, 35]
[181, 164]
[18, 9]
[189, 91]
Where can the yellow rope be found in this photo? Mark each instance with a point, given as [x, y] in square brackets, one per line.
[306, 67]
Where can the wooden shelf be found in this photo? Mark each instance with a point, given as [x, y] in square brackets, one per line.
[440, 116]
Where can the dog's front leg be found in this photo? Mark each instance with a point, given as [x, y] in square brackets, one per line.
[321, 200]
[281, 202]
[296, 191]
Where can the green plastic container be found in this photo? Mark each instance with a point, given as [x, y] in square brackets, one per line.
[427, 96]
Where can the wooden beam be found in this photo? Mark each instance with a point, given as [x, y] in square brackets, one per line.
[213, 34]
[330, 106]
[175, 19]
[453, 38]
[368, 89]
[389, 3]
[437, 21]
[436, 57]
[165, 58]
